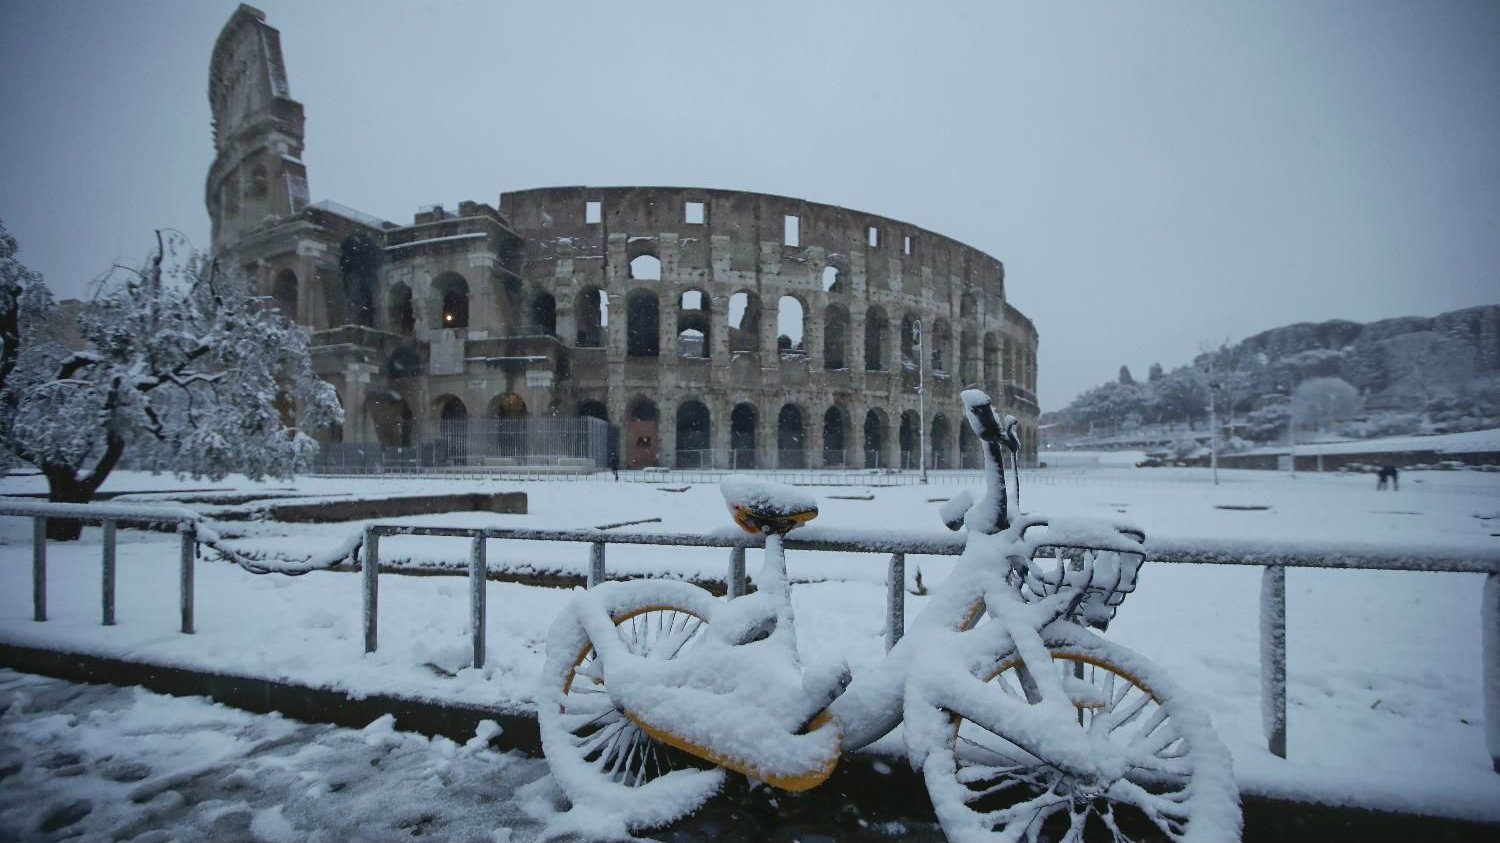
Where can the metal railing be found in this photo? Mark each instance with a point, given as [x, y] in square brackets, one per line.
[1274, 559]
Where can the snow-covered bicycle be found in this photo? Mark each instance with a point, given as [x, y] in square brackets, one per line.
[1025, 724]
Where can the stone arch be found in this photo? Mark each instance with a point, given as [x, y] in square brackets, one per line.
[791, 325]
[694, 324]
[743, 420]
[544, 312]
[453, 426]
[391, 417]
[874, 438]
[450, 298]
[694, 435]
[508, 405]
[909, 438]
[835, 337]
[992, 363]
[939, 345]
[833, 279]
[939, 444]
[909, 332]
[284, 293]
[642, 324]
[791, 433]
[743, 320]
[835, 437]
[400, 316]
[877, 326]
[645, 267]
[968, 357]
[359, 263]
[641, 433]
[592, 409]
[593, 317]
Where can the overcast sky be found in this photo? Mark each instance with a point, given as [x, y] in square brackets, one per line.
[1155, 175]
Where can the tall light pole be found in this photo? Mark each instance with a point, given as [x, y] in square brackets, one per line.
[916, 328]
[1213, 419]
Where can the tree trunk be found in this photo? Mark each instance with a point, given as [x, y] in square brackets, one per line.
[63, 486]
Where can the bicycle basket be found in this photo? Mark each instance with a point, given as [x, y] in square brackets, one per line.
[1104, 576]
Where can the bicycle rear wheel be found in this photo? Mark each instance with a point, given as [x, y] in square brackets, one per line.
[599, 757]
[1177, 781]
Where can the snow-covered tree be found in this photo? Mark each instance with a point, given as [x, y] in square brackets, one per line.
[1320, 402]
[1154, 373]
[182, 364]
[1125, 377]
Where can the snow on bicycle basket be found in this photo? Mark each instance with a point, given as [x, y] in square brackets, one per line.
[1100, 560]
[760, 505]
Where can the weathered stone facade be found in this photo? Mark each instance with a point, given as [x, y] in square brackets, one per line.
[671, 312]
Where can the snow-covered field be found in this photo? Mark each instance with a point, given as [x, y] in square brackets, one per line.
[1385, 701]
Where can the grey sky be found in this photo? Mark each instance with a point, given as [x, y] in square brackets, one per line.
[1154, 175]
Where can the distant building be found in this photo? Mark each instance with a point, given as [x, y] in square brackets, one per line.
[656, 309]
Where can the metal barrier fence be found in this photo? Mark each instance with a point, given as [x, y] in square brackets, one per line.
[475, 445]
[1274, 560]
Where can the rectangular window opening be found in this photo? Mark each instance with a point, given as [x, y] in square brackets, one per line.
[693, 213]
[593, 212]
[908, 244]
[793, 232]
[872, 237]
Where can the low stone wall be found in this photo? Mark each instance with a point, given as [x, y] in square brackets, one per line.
[505, 503]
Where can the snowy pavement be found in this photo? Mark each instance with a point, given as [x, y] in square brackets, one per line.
[1385, 701]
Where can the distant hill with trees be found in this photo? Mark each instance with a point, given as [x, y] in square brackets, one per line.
[1397, 376]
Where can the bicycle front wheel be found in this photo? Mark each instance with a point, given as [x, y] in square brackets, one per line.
[1176, 782]
[598, 756]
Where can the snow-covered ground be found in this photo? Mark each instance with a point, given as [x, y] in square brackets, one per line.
[1385, 702]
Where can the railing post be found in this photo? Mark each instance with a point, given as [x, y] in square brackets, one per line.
[372, 585]
[189, 532]
[1489, 616]
[596, 564]
[478, 568]
[38, 568]
[895, 600]
[735, 586]
[1273, 657]
[108, 595]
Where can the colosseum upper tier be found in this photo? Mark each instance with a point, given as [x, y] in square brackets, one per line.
[707, 327]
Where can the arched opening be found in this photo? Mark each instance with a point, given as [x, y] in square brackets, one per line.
[593, 317]
[359, 262]
[834, 437]
[790, 322]
[908, 437]
[593, 410]
[284, 293]
[789, 436]
[742, 422]
[392, 420]
[640, 434]
[831, 279]
[544, 313]
[505, 418]
[399, 314]
[453, 428]
[992, 375]
[910, 365]
[939, 345]
[968, 306]
[508, 405]
[744, 322]
[693, 436]
[940, 433]
[969, 455]
[876, 327]
[404, 362]
[646, 268]
[968, 365]
[874, 439]
[835, 337]
[693, 325]
[450, 293]
[642, 324]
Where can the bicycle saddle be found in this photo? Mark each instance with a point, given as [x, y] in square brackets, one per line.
[761, 506]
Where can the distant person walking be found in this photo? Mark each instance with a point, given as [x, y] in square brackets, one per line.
[614, 465]
[1388, 472]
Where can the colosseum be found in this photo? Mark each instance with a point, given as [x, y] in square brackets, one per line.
[703, 327]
